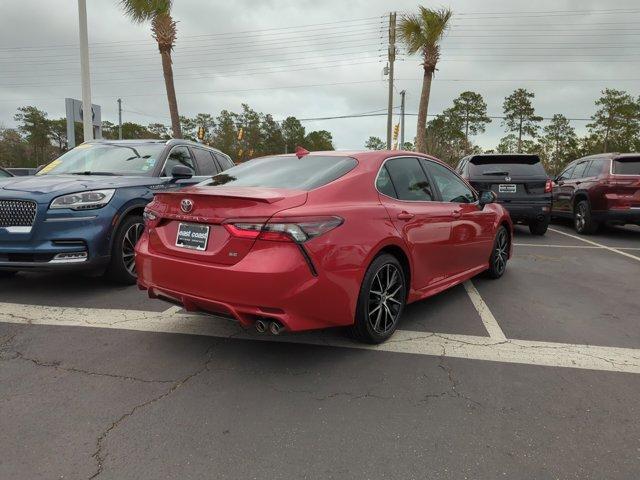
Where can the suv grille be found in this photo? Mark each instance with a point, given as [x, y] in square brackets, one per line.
[17, 213]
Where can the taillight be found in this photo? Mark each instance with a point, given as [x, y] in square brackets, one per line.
[150, 218]
[548, 187]
[299, 229]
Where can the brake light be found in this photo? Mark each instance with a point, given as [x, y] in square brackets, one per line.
[150, 218]
[299, 229]
[244, 230]
[548, 187]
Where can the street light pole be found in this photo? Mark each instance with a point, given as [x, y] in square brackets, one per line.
[87, 116]
[119, 119]
[402, 94]
[392, 58]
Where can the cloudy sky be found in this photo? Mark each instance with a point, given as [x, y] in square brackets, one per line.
[315, 59]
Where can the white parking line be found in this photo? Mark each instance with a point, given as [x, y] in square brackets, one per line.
[552, 246]
[418, 343]
[612, 249]
[488, 320]
[172, 310]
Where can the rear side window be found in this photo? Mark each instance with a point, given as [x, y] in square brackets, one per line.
[627, 166]
[384, 184]
[205, 161]
[306, 173]
[578, 172]
[409, 180]
[506, 165]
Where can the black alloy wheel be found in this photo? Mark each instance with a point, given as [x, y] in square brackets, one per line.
[122, 267]
[381, 300]
[499, 254]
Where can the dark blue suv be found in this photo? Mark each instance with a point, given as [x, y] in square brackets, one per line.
[84, 210]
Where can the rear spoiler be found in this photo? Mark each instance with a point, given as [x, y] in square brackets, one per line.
[257, 194]
[504, 159]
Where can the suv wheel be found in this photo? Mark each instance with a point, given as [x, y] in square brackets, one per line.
[381, 300]
[539, 227]
[122, 267]
[499, 254]
[582, 220]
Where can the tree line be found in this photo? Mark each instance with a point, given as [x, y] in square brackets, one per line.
[242, 135]
[614, 127]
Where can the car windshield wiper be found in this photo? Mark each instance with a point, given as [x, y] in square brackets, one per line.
[497, 172]
[87, 172]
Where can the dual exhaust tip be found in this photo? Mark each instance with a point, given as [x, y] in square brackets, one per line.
[273, 327]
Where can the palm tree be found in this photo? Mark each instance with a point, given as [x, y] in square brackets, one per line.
[163, 27]
[422, 34]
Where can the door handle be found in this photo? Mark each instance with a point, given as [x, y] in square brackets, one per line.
[405, 216]
[456, 213]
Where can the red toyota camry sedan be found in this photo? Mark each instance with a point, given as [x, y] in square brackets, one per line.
[308, 241]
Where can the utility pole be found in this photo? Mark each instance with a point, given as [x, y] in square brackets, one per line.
[392, 58]
[87, 114]
[119, 119]
[402, 94]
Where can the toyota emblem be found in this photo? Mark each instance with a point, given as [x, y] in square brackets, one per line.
[507, 179]
[186, 205]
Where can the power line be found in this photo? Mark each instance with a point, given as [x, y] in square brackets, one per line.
[359, 115]
[368, 34]
[225, 74]
[359, 82]
[353, 55]
[332, 24]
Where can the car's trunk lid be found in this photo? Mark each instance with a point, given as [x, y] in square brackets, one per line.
[508, 187]
[211, 207]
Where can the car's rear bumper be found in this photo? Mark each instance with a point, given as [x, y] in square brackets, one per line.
[272, 282]
[527, 212]
[621, 216]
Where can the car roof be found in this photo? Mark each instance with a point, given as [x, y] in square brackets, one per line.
[610, 155]
[172, 141]
[365, 154]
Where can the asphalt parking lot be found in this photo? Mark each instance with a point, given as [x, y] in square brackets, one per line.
[534, 376]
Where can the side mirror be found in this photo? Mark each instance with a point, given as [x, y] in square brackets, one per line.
[486, 197]
[181, 172]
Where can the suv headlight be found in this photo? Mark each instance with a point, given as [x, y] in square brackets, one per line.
[83, 200]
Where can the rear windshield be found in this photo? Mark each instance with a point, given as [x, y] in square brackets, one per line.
[504, 165]
[304, 173]
[627, 166]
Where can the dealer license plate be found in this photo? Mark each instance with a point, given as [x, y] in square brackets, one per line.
[507, 188]
[193, 236]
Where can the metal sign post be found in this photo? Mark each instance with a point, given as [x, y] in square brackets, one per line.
[75, 114]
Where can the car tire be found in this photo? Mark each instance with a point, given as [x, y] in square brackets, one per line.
[583, 222]
[381, 300]
[121, 269]
[539, 227]
[499, 254]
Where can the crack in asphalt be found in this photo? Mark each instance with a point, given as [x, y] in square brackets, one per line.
[353, 396]
[57, 365]
[99, 455]
[453, 382]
